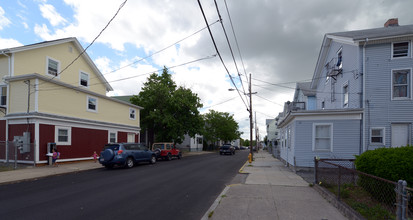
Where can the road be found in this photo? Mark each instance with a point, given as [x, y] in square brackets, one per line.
[177, 189]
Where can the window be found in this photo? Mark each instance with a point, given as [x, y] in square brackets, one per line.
[3, 91]
[401, 84]
[53, 67]
[345, 95]
[322, 137]
[339, 64]
[84, 79]
[132, 113]
[63, 135]
[112, 137]
[377, 135]
[92, 104]
[323, 105]
[401, 49]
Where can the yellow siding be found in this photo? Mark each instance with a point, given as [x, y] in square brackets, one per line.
[68, 102]
[4, 66]
[19, 93]
[35, 61]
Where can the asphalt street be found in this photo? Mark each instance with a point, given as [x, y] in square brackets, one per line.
[177, 189]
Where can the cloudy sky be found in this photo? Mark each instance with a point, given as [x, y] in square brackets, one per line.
[278, 41]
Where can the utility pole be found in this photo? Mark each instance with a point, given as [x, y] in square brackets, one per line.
[251, 125]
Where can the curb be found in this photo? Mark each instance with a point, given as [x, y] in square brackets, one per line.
[215, 204]
[218, 199]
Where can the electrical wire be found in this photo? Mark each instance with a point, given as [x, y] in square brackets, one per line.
[220, 103]
[230, 48]
[130, 77]
[236, 42]
[93, 41]
[219, 55]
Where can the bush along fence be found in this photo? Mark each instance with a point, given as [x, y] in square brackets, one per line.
[373, 197]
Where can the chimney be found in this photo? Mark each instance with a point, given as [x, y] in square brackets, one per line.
[392, 22]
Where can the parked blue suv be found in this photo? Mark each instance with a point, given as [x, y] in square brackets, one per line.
[125, 154]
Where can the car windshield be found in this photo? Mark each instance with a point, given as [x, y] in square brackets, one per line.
[160, 146]
[226, 147]
[111, 146]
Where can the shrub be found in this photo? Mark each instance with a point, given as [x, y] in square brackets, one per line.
[389, 163]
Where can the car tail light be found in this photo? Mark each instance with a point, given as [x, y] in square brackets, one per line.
[120, 152]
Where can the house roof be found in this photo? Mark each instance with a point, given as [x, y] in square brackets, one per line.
[306, 88]
[61, 41]
[375, 33]
[125, 98]
[358, 37]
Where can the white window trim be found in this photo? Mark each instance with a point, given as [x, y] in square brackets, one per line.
[47, 67]
[384, 136]
[113, 132]
[410, 85]
[348, 94]
[80, 79]
[331, 137]
[69, 134]
[409, 55]
[130, 109]
[87, 104]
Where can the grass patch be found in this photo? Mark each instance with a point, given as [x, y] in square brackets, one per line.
[361, 201]
[210, 214]
[223, 196]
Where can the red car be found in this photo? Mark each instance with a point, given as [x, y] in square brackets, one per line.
[166, 151]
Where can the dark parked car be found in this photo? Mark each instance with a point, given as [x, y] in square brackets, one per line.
[227, 149]
[125, 154]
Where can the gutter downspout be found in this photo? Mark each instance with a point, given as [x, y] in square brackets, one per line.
[363, 95]
[7, 121]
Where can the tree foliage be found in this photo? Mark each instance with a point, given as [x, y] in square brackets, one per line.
[169, 111]
[220, 126]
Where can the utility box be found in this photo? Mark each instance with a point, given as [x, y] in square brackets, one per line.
[23, 142]
[50, 147]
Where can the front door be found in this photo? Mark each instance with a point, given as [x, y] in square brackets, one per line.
[131, 138]
[399, 135]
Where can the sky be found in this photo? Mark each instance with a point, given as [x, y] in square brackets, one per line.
[276, 41]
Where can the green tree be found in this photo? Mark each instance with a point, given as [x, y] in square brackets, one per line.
[220, 126]
[169, 112]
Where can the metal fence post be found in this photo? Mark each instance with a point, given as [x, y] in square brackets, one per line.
[339, 182]
[404, 200]
[315, 170]
[398, 200]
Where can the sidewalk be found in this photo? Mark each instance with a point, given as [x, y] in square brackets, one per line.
[32, 173]
[271, 191]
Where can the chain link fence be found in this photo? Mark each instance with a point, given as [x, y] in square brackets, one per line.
[13, 153]
[371, 196]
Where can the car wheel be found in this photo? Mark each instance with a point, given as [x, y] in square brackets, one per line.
[233, 152]
[153, 159]
[179, 156]
[169, 157]
[129, 162]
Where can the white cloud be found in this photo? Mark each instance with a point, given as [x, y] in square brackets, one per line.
[49, 12]
[9, 43]
[4, 22]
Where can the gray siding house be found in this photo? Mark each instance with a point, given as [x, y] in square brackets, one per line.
[363, 93]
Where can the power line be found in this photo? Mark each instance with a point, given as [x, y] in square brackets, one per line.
[182, 64]
[236, 41]
[220, 57]
[221, 102]
[100, 33]
[230, 48]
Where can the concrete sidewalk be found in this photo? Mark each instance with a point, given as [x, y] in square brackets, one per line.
[271, 191]
[32, 173]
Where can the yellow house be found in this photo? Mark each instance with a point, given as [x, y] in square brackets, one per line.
[52, 92]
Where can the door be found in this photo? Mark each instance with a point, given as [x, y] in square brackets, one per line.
[131, 138]
[399, 135]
